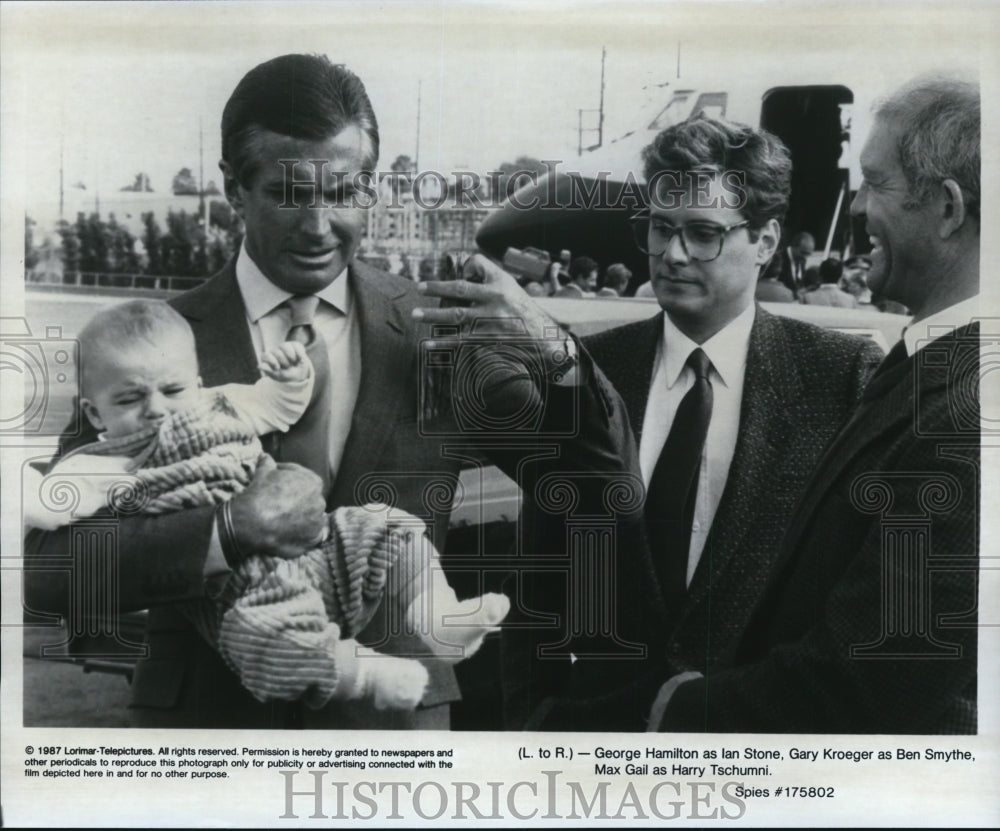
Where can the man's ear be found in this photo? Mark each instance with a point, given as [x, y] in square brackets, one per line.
[767, 242]
[93, 416]
[953, 208]
[233, 189]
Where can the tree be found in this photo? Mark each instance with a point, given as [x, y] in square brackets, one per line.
[179, 244]
[102, 247]
[140, 185]
[187, 249]
[401, 184]
[122, 256]
[152, 240]
[184, 183]
[30, 250]
[93, 242]
[521, 165]
[221, 215]
[402, 164]
[69, 244]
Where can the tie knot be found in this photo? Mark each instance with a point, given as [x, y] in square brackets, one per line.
[699, 363]
[303, 308]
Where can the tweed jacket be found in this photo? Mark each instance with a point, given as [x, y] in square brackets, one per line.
[868, 624]
[801, 384]
[161, 560]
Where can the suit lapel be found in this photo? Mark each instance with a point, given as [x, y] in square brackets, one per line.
[628, 364]
[770, 388]
[888, 402]
[219, 320]
[388, 370]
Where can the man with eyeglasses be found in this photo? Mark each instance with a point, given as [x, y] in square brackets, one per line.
[731, 409]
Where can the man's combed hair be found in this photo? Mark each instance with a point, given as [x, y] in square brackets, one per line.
[938, 128]
[703, 144]
[301, 96]
[123, 327]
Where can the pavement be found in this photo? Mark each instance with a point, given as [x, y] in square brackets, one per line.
[58, 693]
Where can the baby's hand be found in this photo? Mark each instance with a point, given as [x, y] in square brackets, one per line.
[286, 362]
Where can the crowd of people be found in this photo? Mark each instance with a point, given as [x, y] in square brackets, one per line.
[786, 279]
[293, 492]
[834, 282]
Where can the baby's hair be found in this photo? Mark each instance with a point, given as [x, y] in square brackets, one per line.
[125, 326]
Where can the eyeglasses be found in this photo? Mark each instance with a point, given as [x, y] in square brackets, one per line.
[701, 241]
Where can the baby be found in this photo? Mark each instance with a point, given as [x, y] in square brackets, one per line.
[285, 626]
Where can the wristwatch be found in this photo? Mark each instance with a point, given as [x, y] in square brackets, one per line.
[561, 361]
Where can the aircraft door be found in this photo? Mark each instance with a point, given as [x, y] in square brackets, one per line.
[814, 122]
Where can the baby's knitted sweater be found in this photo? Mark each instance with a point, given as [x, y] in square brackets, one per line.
[280, 624]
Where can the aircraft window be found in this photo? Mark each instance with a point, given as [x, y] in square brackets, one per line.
[675, 112]
[712, 104]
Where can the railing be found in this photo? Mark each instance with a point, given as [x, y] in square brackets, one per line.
[128, 282]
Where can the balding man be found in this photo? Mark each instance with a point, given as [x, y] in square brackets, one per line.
[869, 622]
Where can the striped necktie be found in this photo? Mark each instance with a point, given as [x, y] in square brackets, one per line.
[307, 441]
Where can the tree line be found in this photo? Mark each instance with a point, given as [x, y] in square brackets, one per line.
[184, 248]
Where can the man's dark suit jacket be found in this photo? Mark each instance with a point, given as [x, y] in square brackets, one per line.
[801, 384]
[869, 622]
[388, 457]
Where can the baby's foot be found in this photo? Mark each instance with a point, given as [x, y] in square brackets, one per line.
[457, 629]
[394, 683]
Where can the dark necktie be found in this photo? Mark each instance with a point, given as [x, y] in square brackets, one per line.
[798, 272]
[307, 441]
[673, 487]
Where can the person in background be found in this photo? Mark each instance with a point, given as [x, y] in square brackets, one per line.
[789, 266]
[828, 292]
[558, 274]
[771, 290]
[427, 269]
[645, 290]
[448, 267]
[855, 280]
[614, 281]
[582, 279]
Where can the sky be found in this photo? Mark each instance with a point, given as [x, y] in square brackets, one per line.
[119, 88]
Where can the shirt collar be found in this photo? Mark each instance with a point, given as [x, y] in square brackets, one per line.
[261, 296]
[726, 349]
[917, 335]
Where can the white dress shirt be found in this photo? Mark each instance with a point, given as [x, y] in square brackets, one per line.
[917, 335]
[672, 378]
[336, 320]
